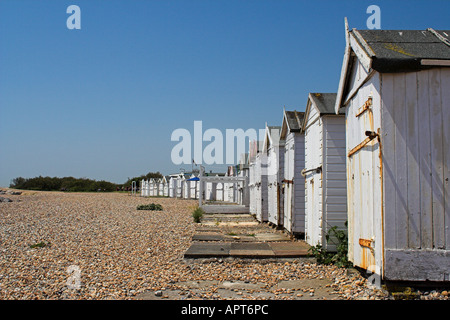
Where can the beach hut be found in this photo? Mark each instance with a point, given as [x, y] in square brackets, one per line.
[147, 188]
[173, 181]
[143, 183]
[274, 149]
[252, 185]
[166, 180]
[325, 170]
[261, 186]
[293, 181]
[243, 196]
[230, 188]
[193, 186]
[152, 187]
[395, 91]
[161, 184]
[227, 190]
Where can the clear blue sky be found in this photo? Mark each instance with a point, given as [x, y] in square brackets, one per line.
[102, 102]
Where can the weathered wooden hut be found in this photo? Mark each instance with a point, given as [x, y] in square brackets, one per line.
[325, 169]
[161, 186]
[395, 90]
[153, 189]
[166, 181]
[173, 180]
[253, 151]
[273, 147]
[243, 195]
[293, 181]
[186, 187]
[261, 186]
[193, 187]
[143, 187]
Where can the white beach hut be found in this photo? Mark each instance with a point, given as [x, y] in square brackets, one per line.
[395, 91]
[161, 184]
[193, 187]
[243, 195]
[143, 187]
[253, 151]
[325, 171]
[152, 187]
[173, 185]
[274, 149]
[166, 180]
[261, 197]
[293, 181]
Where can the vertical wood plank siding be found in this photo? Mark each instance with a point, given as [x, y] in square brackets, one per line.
[416, 159]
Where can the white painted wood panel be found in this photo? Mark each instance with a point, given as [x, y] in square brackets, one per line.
[313, 180]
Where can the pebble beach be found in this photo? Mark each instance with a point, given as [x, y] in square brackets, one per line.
[58, 245]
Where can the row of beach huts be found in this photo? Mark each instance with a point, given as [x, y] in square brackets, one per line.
[372, 159]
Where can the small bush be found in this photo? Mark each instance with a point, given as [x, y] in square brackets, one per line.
[197, 214]
[151, 206]
[339, 258]
[39, 245]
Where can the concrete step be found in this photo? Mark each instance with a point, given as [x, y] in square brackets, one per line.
[292, 249]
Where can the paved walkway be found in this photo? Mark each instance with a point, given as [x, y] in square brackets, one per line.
[241, 235]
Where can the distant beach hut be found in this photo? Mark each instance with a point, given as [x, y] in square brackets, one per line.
[273, 147]
[324, 171]
[293, 181]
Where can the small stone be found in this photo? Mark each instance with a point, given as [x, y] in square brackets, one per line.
[158, 293]
[444, 293]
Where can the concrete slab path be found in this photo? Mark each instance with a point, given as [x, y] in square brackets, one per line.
[242, 236]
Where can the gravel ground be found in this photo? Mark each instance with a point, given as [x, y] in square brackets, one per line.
[56, 245]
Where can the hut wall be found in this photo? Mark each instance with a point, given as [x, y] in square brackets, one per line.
[416, 160]
[294, 194]
[364, 206]
[275, 160]
[261, 187]
[313, 180]
[334, 175]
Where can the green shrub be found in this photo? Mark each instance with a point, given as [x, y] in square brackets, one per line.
[197, 214]
[338, 258]
[39, 245]
[151, 206]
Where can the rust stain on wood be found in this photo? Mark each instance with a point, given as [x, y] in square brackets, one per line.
[365, 243]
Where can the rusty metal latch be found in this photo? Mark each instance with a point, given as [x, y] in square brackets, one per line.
[370, 136]
[365, 107]
[288, 181]
[366, 243]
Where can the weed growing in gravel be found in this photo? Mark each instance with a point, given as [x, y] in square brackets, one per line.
[39, 245]
[197, 214]
[152, 206]
[338, 258]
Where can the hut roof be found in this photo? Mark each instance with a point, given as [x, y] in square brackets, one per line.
[403, 50]
[389, 51]
[294, 120]
[324, 102]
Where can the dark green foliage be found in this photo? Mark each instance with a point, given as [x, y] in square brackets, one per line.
[39, 245]
[338, 258]
[151, 206]
[62, 184]
[197, 214]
